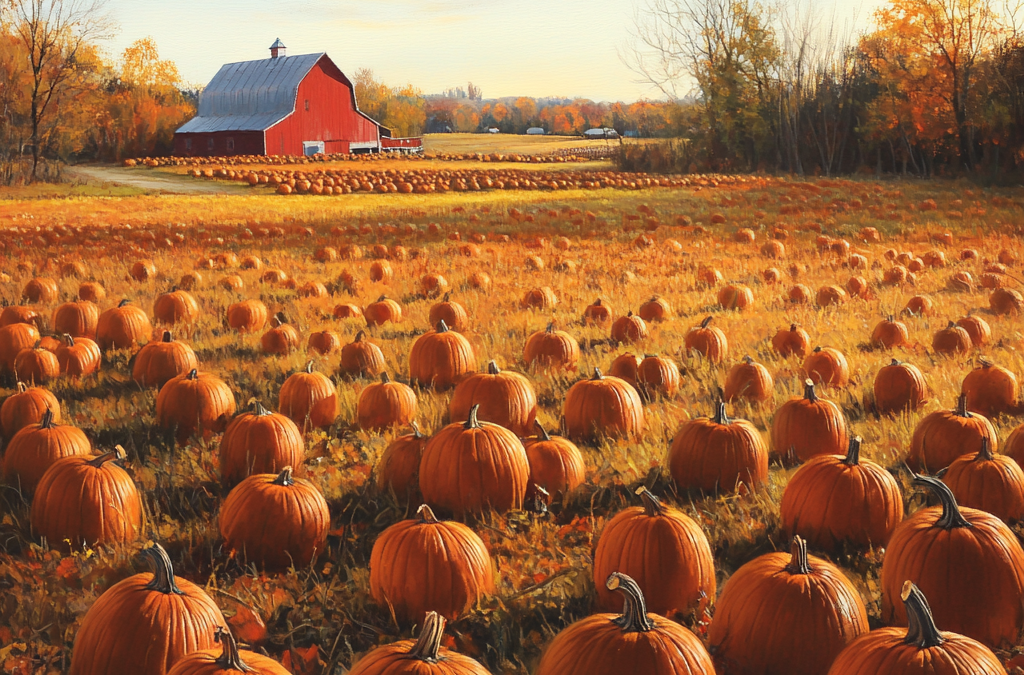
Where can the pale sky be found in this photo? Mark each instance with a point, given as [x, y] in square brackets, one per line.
[533, 48]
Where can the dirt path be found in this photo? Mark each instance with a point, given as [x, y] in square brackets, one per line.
[156, 181]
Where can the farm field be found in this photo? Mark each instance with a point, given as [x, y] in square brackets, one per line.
[750, 256]
[507, 143]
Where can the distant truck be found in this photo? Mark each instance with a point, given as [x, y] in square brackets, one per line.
[535, 131]
[600, 133]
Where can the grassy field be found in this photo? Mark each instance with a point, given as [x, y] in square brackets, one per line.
[506, 143]
[320, 619]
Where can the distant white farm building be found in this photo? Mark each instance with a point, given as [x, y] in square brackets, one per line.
[601, 133]
[535, 131]
[494, 130]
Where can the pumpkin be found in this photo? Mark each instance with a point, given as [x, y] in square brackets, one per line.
[718, 454]
[633, 642]
[899, 387]
[425, 656]
[309, 399]
[293, 522]
[792, 342]
[657, 375]
[87, 501]
[735, 296]
[556, 464]
[194, 402]
[480, 280]
[967, 561]
[808, 426]
[311, 289]
[440, 358]
[281, 339]
[381, 271]
[919, 305]
[247, 316]
[961, 281]
[347, 311]
[987, 482]
[78, 358]
[602, 406]
[362, 358]
[250, 262]
[826, 366]
[629, 329]
[1006, 301]
[598, 313]
[49, 342]
[774, 249]
[145, 623]
[384, 310]
[823, 614]
[398, 468]
[122, 327]
[748, 380]
[385, 404]
[19, 314]
[259, 441]
[890, 333]
[829, 296]
[977, 328]
[951, 340]
[323, 342]
[942, 436]
[858, 287]
[550, 348]
[921, 649]
[26, 407]
[13, 339]
[991, 390]
[274, 276]
[469, 467]
[175, 307]
[92, 291]
[452, 313]
[433, 285]
[799, 294]
[36, 447]
[656, 309]
[664, 551]
[425, 563]
[41, 291]
[158, 362]
[834, 499]
[230, 659]
[708, 341]
[625, 367]
[77, 319]
[505, 398]
[143, 270]
[36, 365]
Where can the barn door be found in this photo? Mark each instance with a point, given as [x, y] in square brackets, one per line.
[310, 148]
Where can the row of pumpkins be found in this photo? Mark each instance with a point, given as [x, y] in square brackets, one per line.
[723, 454]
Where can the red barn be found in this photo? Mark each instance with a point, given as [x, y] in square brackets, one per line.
[284, 105]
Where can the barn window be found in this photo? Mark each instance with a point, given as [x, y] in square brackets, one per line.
[209, 144]
[188, 145]
[307, 105]
[231, 144]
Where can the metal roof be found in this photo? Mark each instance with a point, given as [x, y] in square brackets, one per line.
[251, 95]
[277, 44]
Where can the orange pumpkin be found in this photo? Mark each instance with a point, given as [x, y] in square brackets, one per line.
[158, 362]
[629, 329]
[384, 310]
[708, 341]
[282, 338]
[309, 399]
[598, 313]
[944, 435]
[36, 366]
[230, 659]
[452, 313]
[440, 358]
[175, 307]
[718, 454]
[602, 406]
[656, 309]
[991, 390]
[890, 333]
[36, 447]
[899, 387]
[14, 338]
[987, 482]
[826, 366]
[951, 340]
[977, 328]
[323, 342]
[78, 358]
[77, 319]
[749, 380]
[505, 398]
[735, 296]
[551, 348]
[259, 442]
[361, 358]
[556, 464]
[792, 342]
[398, 468]
[123, 327]
[539, 298]
[194, 402]
[808, 426]
[657, 376]
[26, 407]
[385, 404]
[247, 316]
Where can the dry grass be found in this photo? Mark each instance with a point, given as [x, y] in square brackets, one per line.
[542, 562]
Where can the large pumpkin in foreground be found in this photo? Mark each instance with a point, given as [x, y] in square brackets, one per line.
[632, 643]
[425, 656]
[145, 623]
[229, 659]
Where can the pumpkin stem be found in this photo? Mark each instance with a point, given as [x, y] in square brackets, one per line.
[720, 416]
[544, 435]
[550, 328]
[652, 505]
[385, 378]
[428, 645]
[792, 328]
[447, 295]
[889, 318]
[961, 406]
[123, 302]
[634, 617]
[116, 454]
[853, 453]
[47, 421]
[382, 298]
[705, 322]
[492, 368]
[229, 658]
[258, 410]
[285, 477]
[747, 360]
[309, 367]
[799, 563]
[68, 340]
[192, 375]
[921, 629]
[163, 572]
[597, 374]
[817, 349]
[22, 387]
[985, 454]
[426, 514]
[416, 429]
[809, 390]
[950, 325]
[360, 335]
[167, 336]
[597, 303]
[894, 363]
[951, 517]
[472, 422]
[442, 327]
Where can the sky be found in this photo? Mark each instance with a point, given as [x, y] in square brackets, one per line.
[538, 48]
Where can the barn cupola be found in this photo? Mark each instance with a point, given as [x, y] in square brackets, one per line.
[277, 49]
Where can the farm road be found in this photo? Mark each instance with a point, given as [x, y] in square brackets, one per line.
[146, 179]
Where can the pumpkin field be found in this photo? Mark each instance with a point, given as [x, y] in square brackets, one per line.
[480, 414]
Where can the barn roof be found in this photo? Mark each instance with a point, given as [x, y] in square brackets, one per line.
[251, 95]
